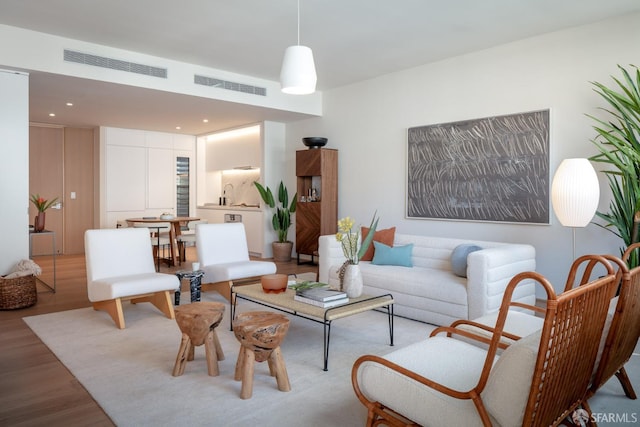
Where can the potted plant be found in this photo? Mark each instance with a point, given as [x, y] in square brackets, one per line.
[41, 205]
[281, 220]
[618, 142]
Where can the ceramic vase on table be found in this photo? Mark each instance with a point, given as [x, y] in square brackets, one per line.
[352, 280]
[38, 222]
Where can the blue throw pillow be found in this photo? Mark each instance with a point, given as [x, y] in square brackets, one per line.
[459, 258]
[392, 255]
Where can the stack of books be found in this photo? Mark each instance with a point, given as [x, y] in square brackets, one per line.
[321, 297]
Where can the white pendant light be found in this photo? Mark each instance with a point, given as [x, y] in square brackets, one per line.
[575, 192]
[298, 73]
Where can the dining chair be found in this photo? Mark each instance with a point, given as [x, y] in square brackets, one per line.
[224, 257]
[120, 267]
[188, 238]
[159, 238]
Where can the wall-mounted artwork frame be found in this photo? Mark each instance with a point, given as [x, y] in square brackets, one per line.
[490, 169]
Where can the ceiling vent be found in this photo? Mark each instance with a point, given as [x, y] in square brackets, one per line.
[224, 84]
[114, 64]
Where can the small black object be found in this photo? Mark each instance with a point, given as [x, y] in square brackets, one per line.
[314, 141]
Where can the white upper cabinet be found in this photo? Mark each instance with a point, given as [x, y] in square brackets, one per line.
[234, 149]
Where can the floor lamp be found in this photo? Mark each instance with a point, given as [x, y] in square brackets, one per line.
[575, 193]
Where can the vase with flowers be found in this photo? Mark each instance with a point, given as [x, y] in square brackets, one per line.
[41, 205]
[353, 250]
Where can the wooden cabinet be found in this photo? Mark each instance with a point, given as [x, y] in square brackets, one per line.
[316, 169]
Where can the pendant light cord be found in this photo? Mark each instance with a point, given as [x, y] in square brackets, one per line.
[298, 22]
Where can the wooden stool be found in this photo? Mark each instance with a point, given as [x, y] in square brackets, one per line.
[198, 321]
[260, 334]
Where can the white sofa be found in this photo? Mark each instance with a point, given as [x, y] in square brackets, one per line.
[430, 291]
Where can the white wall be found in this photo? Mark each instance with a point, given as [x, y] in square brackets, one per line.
[367, 123]
[14, 173]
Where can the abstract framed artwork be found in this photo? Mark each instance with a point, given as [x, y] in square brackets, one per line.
[490, 169]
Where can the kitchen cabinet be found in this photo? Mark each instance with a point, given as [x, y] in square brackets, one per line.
[161, 165]
[126, 178]
[234, 153]
[316, 174]
[141, 172]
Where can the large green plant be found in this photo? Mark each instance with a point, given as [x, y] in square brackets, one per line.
[281, 220]
[618, 142]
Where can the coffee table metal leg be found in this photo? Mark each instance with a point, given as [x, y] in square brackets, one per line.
[390, 314]
[327, 336]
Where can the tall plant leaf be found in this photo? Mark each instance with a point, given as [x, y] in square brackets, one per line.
[618, 143]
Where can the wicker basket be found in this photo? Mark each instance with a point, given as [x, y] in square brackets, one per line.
[18, 292]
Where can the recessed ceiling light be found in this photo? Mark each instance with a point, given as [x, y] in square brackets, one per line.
[52, 114]
[69, 104]
[205, 120]
[178, 127]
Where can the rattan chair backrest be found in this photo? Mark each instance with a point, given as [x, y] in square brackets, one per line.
[568, 348]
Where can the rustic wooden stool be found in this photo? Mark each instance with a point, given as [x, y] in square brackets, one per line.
[260, 334]
[198, 321]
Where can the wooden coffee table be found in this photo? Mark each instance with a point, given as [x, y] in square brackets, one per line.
[284, 302]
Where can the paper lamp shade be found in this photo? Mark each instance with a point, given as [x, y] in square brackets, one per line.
[575, 192]
[298, 73]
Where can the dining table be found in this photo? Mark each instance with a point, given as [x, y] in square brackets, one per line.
[175, 229]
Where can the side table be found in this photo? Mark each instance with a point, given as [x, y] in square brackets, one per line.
[52, 254]
[195, 284]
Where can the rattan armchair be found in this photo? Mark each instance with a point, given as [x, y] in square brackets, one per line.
[624, 331]
[621, 331]
[537, 380]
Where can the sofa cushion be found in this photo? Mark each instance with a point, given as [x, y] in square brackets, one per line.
[392, 255]
[459, 258]
[385, 236]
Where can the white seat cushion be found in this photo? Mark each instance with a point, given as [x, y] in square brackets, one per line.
[448, 361]
[236, 270]
[135, 284]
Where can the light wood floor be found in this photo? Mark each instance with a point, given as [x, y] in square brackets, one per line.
[35, 388]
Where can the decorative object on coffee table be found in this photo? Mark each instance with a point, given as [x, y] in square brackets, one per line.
[353, 249]
[260, 334]
[198, 321]
[352, 280]
[274, 283]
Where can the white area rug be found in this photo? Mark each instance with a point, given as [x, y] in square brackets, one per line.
[128, 372]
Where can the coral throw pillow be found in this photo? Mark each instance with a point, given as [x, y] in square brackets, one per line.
[385, 236]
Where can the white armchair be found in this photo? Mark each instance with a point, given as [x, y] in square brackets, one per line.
[119, 267]
[224, 257]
